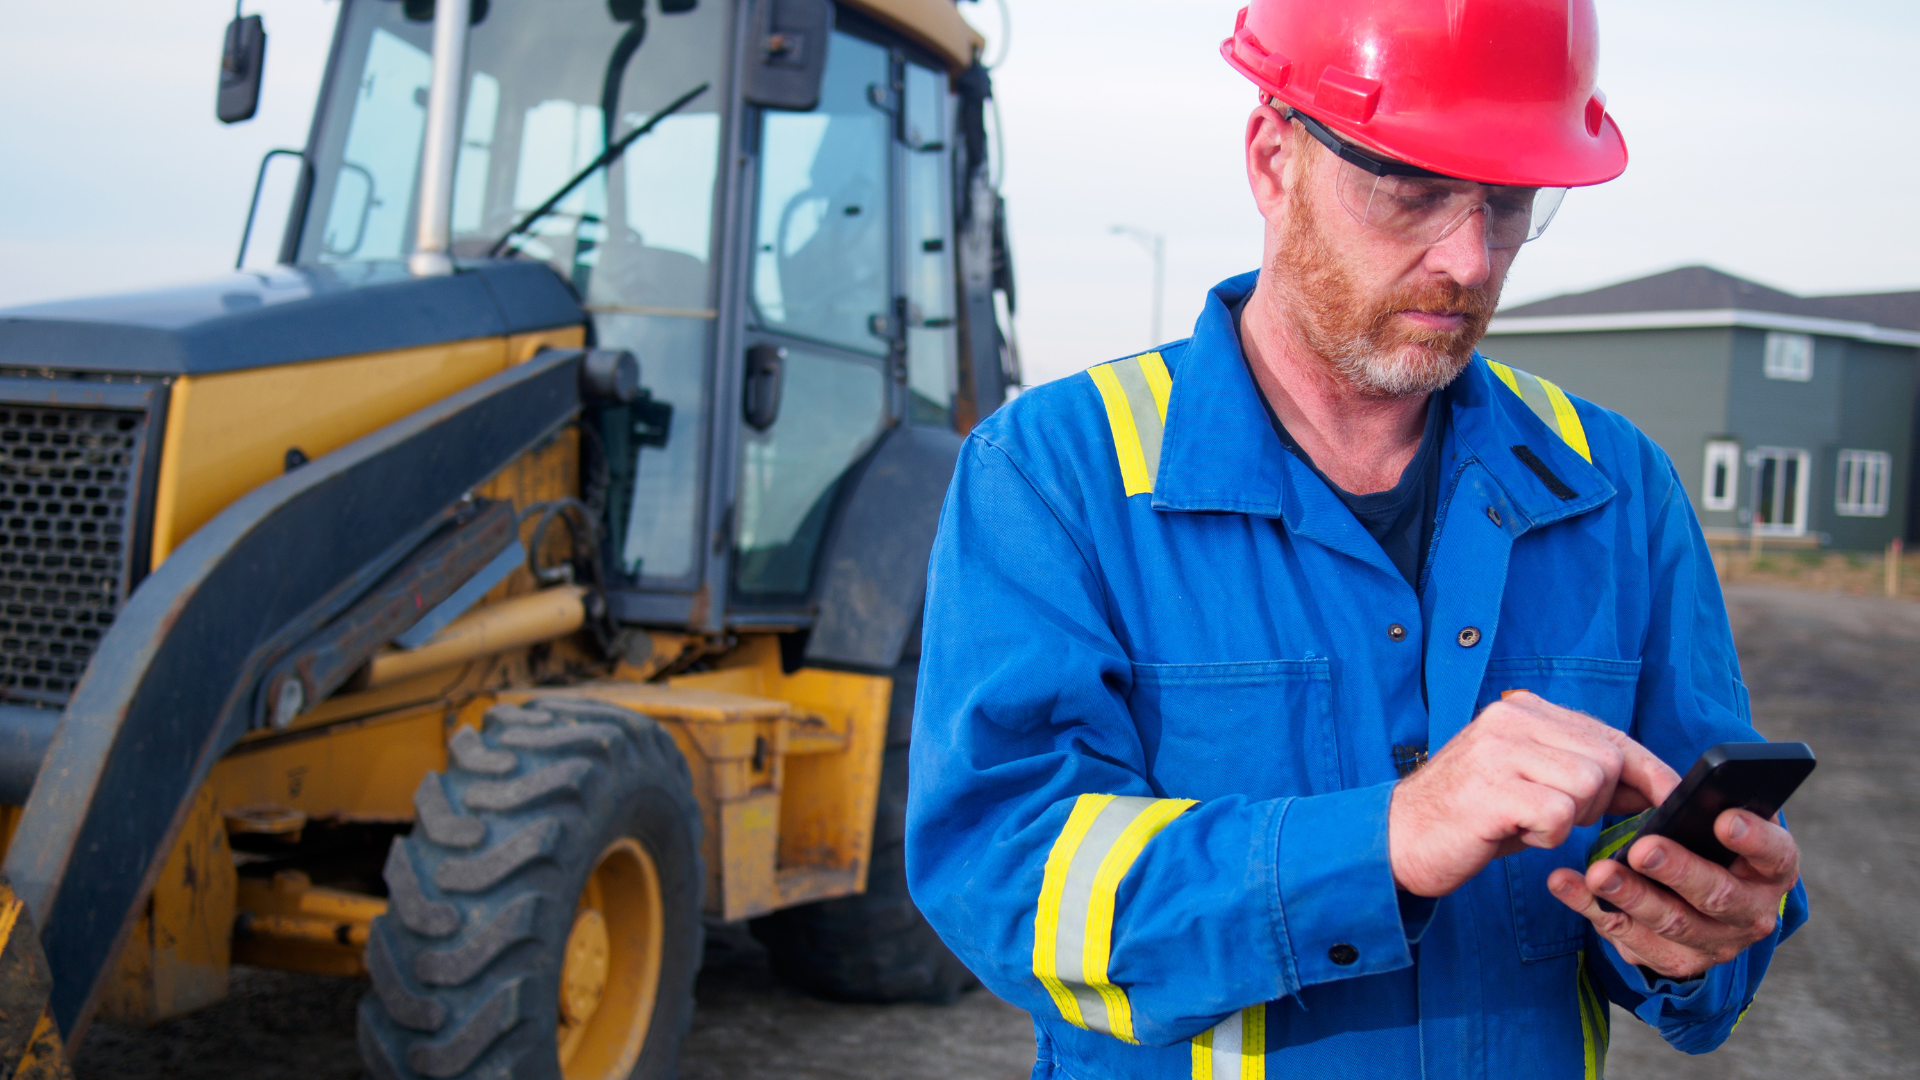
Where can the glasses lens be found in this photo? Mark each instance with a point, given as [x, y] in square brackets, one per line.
[1426, 210]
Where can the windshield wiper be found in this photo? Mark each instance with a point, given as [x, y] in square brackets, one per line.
[607, 157]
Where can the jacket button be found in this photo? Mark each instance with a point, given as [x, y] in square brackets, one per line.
[1397, 632]
[1343, 954]
[1469, 637]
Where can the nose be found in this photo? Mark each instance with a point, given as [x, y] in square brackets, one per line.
[1462, 254]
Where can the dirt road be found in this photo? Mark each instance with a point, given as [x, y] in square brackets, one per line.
[1843, 1000]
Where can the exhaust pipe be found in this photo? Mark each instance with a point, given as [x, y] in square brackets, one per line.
[433, 244]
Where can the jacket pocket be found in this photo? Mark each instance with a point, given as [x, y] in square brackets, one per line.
[1604, 690]
[1262, 729]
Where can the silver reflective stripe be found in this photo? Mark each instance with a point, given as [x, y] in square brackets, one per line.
[1075, 900]
[1535, 395]
[1146, 413]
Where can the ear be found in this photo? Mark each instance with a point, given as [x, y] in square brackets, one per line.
[1274, 164]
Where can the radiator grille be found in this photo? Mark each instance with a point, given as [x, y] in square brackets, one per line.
[68, 479]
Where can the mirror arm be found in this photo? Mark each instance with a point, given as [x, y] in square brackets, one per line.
[253, 206]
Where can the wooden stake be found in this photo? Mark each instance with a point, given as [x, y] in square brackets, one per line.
[1894, 547]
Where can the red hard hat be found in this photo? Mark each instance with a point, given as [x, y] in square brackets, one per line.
[1499, 91]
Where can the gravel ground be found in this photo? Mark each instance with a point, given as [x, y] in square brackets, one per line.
[1843, 999]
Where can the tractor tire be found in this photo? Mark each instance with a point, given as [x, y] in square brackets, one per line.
[874, 947]
[545, 910]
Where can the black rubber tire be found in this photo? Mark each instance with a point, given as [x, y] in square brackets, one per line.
[875, 947]
[466, 963]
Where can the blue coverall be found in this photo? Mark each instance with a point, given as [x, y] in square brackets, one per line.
[1164, 675]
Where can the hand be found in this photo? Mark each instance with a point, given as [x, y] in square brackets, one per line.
[1523, 774]
[1710, 914]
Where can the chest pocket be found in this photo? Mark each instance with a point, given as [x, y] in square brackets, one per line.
[1603, 689]
[1262, 730]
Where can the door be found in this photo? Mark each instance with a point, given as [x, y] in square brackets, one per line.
[1779, 491]
[821, 318]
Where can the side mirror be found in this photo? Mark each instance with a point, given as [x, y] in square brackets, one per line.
[241, 62]
[765, 369]
[788, 54]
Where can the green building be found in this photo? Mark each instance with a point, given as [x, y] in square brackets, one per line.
[1792, 415]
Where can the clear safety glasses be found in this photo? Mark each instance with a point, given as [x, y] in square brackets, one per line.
[1425, 207]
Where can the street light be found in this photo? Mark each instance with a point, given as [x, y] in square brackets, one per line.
[1156, 245]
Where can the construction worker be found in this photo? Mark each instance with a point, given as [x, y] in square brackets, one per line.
[1197, 618]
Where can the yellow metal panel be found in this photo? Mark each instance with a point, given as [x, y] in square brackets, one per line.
[934, 23]
[365, 769]
[827, 799]
[177, 957]
[522, 347]
[229, 433]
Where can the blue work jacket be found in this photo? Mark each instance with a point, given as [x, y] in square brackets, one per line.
[1165, 673]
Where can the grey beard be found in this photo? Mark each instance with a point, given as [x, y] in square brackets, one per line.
[1409, 370]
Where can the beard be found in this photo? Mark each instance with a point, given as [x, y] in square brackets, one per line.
[1363, 337]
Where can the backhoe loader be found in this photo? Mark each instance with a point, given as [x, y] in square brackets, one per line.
[525, 569]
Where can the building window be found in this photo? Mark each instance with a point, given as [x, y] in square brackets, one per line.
[1779, 491]
[1789, 356]
[1719, 490]
[1865, 479]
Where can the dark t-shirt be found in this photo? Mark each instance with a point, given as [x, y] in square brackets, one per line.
[1401, 518]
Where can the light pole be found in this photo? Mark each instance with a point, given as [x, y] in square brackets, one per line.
[1156, 245]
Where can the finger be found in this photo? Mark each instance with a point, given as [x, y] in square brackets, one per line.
[1587, 782]
[1770, 851]
[1645, 780]
[1542, 816]
[1636, 943]
[1653, 908]
[1708, 888]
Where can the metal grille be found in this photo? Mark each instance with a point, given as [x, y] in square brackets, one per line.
[67, 497]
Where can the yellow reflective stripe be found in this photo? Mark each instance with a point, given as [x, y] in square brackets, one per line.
[1073, 927]
[1046, 922]
[1126, 437]
[1550, 403]
[1616, 836]
[1203, 1055]
[1161, 383]
[1506, 375]
[1233, 1049]
[1594, 1023]
[1571, 429]
[1135, 392]
[1106, 885]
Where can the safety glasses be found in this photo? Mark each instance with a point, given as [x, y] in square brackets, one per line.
[1425, 207]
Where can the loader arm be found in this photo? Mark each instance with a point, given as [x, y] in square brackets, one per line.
[172, 685]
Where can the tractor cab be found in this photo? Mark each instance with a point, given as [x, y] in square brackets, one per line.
[789, 272]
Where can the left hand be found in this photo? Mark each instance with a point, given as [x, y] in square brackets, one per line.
[1706, 915]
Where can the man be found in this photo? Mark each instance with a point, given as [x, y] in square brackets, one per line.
[1195, 619]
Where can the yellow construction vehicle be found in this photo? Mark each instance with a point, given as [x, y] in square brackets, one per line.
[526, 568]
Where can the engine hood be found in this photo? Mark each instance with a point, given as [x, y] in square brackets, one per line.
[284, 315]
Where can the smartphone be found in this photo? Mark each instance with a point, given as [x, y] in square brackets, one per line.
[1757, 777]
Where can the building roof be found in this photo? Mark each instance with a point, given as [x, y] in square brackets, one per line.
[1697, 296]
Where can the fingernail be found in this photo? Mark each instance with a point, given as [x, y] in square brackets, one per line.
[1653, 859]
[1737, 827]
[1612, 885]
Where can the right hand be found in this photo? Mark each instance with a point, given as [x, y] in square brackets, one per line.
[1523, 774]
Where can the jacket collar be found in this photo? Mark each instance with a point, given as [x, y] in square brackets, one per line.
[1220, 453]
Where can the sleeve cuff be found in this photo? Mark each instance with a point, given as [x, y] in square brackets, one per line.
[1340, 915]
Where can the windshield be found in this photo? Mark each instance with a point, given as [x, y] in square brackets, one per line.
[549, 84]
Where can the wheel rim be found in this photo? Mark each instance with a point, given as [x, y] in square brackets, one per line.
[611, 973]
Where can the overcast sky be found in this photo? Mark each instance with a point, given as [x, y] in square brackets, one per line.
[1777, 140]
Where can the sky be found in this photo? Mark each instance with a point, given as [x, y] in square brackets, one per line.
[1774, 139]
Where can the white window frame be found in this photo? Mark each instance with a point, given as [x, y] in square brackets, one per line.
[1789, 356]
[1864, 484]
[1721, 453]
[1803, 476]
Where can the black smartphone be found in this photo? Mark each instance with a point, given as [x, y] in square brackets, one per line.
[1757, 777]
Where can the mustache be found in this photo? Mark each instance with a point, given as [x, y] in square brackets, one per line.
[1474, 306]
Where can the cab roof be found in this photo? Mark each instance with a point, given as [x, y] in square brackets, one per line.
[934, 23]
